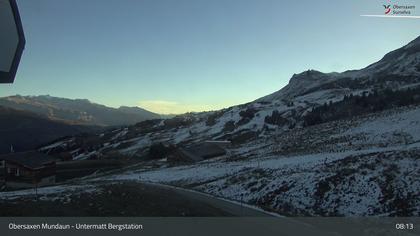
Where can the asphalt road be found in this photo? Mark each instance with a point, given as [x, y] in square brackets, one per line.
[253, 221]
[125, 198]
[229, 207]
[137, 199]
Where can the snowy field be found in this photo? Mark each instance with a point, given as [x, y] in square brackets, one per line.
[365, 166]
[373, 180]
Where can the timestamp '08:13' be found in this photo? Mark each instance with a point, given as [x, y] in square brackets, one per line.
[404, 226]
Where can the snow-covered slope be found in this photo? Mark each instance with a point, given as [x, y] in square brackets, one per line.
[300, 84]
[278, 112]
[403, 62]
[363, 164]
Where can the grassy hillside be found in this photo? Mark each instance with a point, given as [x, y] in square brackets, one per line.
[25, 130]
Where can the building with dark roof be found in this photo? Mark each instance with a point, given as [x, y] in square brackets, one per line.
[197, 152]
[27, 169]
[206, 150]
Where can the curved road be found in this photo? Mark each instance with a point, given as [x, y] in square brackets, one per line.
[230, 207]
[139, 199]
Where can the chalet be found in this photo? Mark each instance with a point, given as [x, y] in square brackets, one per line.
[222, 144]
[198, 152]
[27, 169]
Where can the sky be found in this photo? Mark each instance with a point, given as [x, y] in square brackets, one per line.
[175, 56]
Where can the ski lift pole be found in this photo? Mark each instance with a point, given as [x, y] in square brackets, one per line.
[35, 182]
[242, 207]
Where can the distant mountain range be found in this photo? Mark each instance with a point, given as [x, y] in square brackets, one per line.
[77, 111]
[29, 121]
[24, 130]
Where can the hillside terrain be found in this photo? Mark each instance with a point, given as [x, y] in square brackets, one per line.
[26, 131]
[77, 111]
[336, 144]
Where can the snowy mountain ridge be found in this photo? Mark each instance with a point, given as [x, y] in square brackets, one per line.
[363, 161]
[279, 111]
[404, 61]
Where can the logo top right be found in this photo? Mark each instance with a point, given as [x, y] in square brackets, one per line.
[387, 9]
[399, 9]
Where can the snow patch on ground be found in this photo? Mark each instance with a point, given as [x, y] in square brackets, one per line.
[61, 192]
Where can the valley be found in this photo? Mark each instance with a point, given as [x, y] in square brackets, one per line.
[335, 144]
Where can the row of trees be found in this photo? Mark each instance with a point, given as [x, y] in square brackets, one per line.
[354, 105]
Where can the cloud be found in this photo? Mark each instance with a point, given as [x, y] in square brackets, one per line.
[171, 107]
